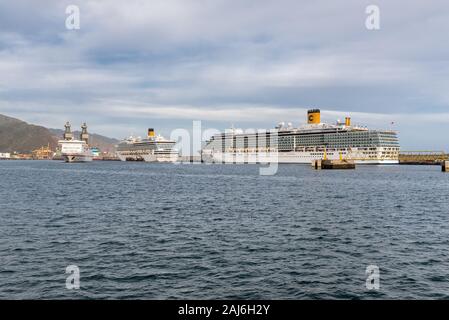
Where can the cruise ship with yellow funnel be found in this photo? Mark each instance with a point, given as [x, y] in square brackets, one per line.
[154, 148]
[312, 141]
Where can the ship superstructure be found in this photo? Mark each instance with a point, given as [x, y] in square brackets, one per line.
[73, 150]
[154, 148]
[312, 141]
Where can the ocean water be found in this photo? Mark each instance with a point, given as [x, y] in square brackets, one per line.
[158, 231]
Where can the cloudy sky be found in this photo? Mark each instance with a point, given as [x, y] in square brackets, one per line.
[250, 63]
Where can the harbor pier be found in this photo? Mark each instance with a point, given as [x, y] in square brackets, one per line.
[333, 164]
[445, 166]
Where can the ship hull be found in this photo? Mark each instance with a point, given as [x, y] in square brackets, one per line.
[77, 158]
[287, 157]
[75, 151]
[148, 157]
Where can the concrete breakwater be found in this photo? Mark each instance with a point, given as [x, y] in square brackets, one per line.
[423, 157]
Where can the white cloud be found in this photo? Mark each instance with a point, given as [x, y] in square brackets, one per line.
[223, 60]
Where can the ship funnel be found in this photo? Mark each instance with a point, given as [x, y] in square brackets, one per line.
[150, 133]
[347, 121]
[313, 116]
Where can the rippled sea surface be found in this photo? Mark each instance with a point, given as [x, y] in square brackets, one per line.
[157, 231]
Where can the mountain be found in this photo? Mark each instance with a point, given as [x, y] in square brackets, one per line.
[19, 136]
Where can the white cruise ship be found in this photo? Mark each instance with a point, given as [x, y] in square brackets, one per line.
[313, 141]
[152, 149]
[73, 150]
